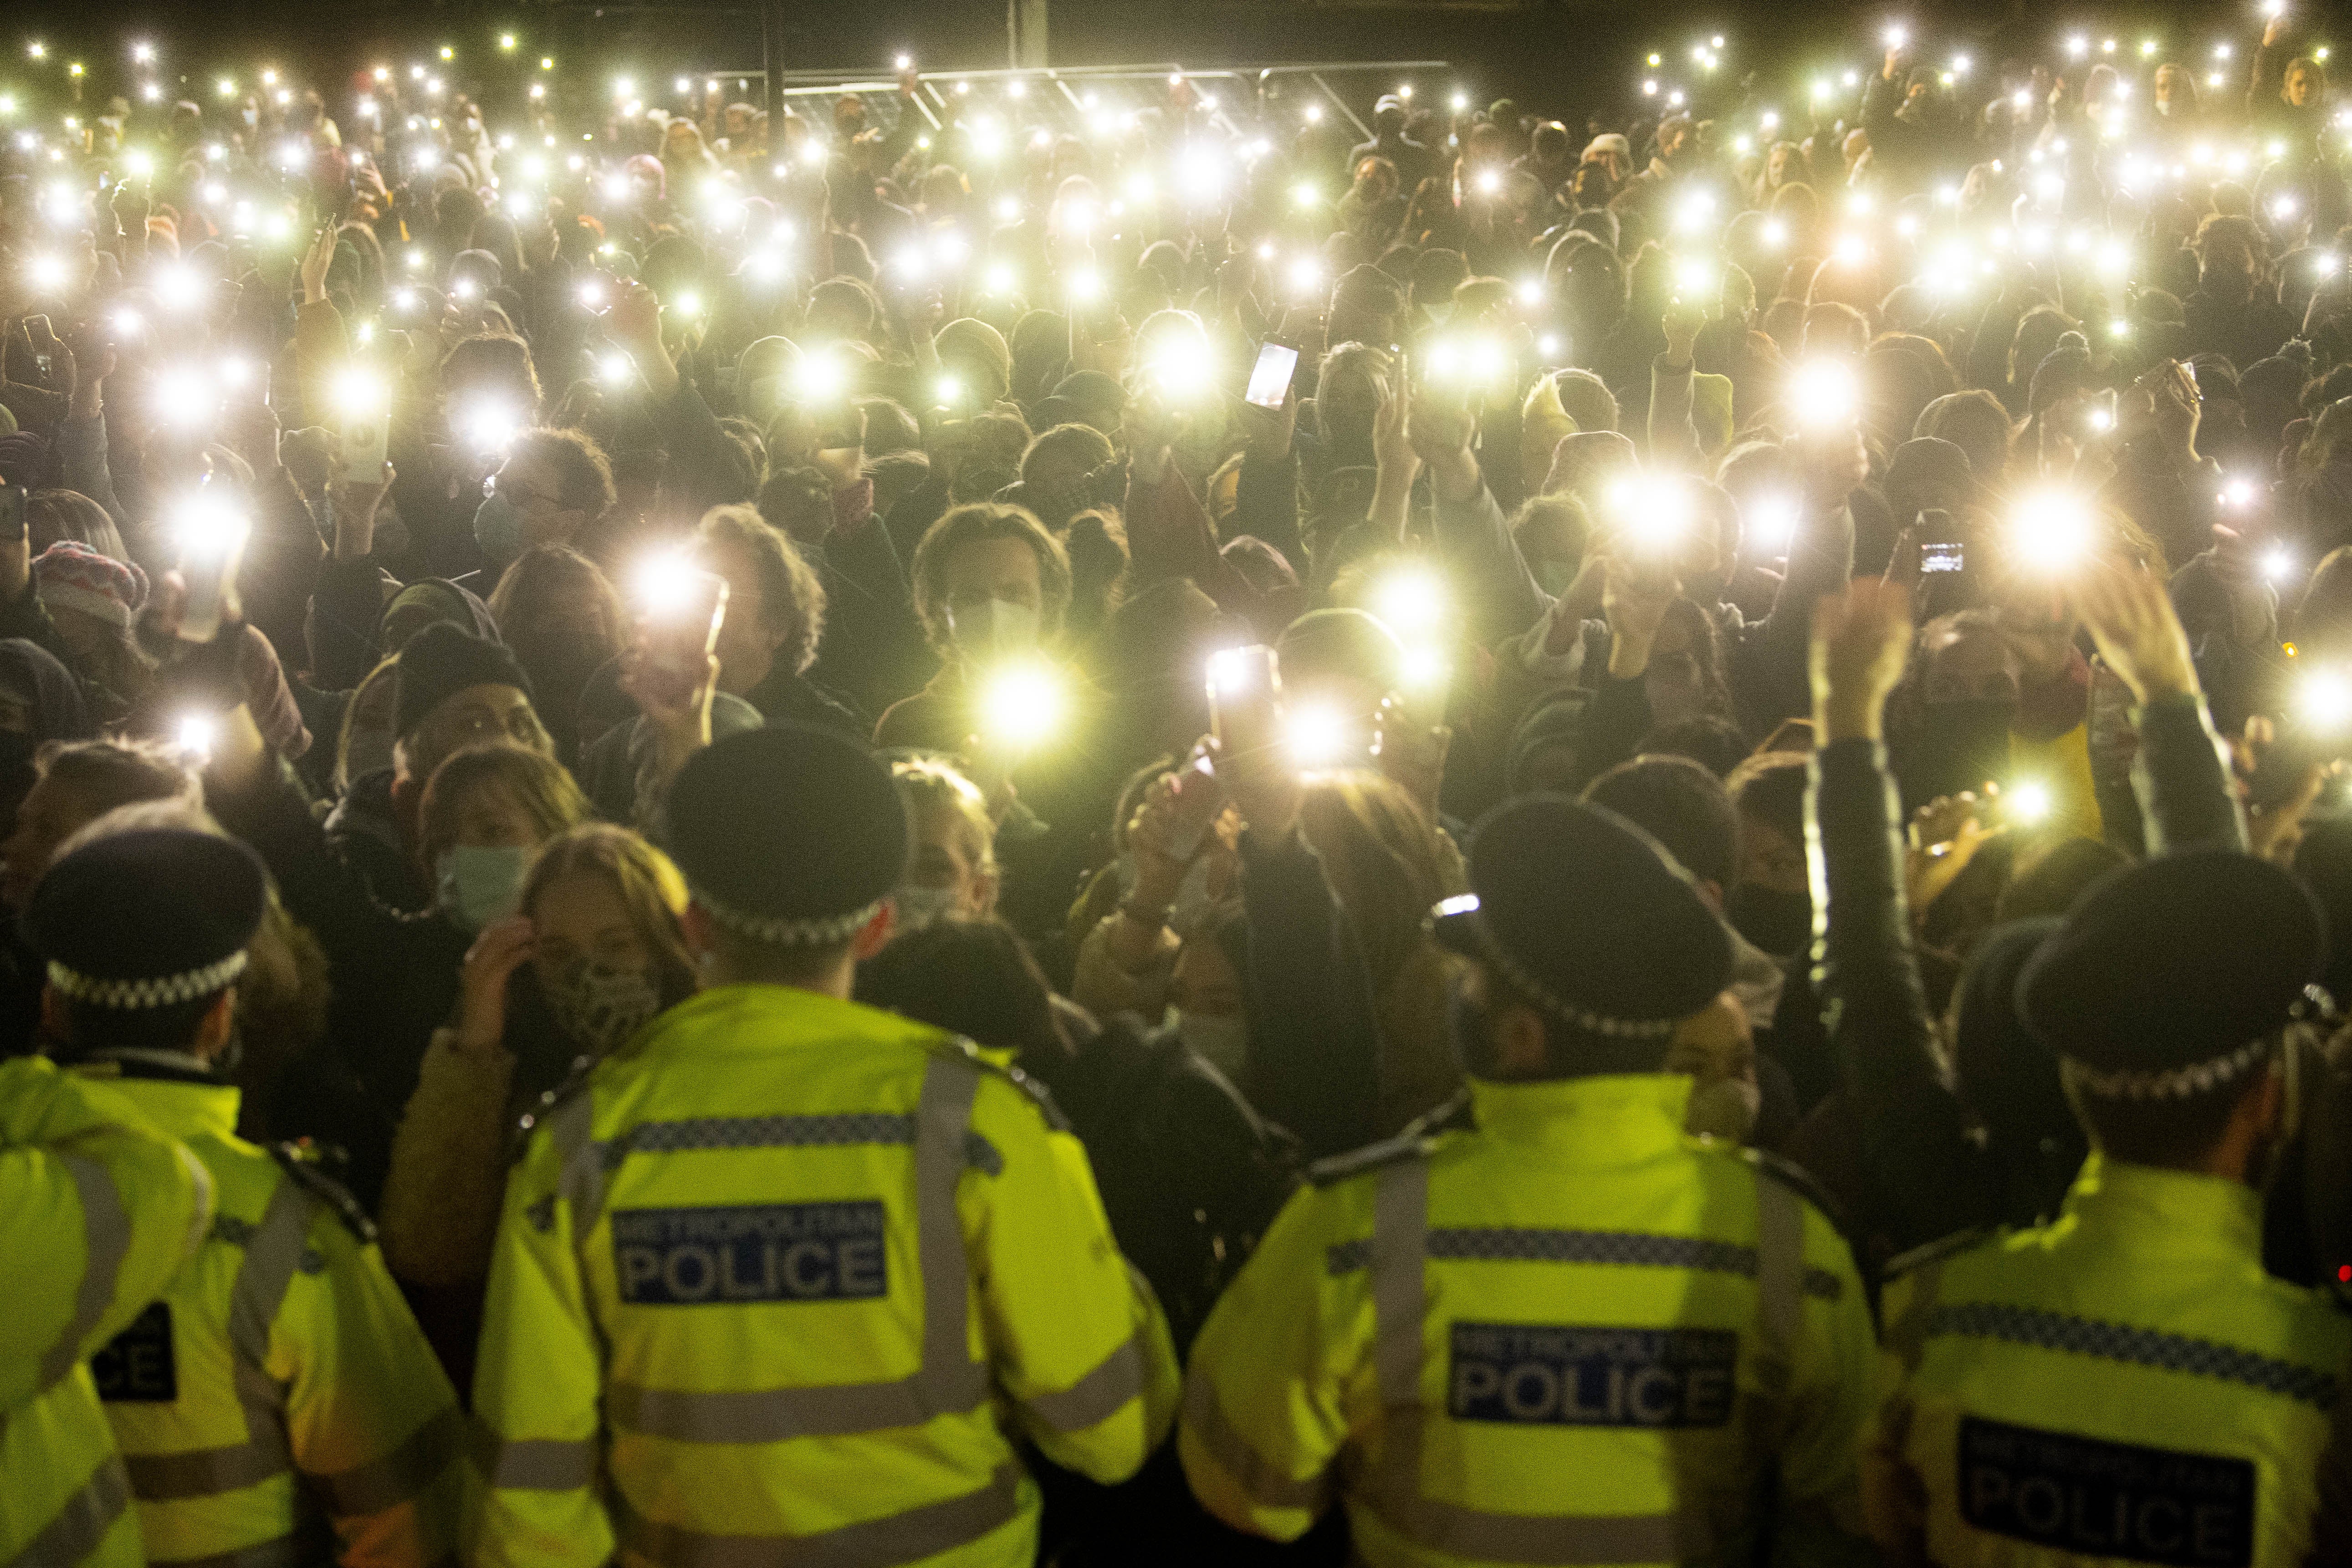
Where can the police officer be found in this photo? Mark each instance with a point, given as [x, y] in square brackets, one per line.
[98, 1210]
[1569, 1334]
[2126, 1384]
[278, 1404]
[784, 1279]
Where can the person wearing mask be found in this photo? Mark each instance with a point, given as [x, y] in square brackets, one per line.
[552, 489]
[851, 1258]
[990, 588]
[2131, 1359]
[99, 1209]
[278, 1398]
[1468, 1313]
[560, 616]
[952, 873]
[593, 951]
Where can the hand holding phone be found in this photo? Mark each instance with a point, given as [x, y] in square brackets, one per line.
[681, 608]
[1270, 378]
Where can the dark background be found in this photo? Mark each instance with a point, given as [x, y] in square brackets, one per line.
[1558, 58]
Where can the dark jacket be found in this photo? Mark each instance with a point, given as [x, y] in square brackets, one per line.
[1919, 1175]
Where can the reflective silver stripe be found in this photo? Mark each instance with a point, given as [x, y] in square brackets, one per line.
[907, 1537]
[1779, 1270]
[948, 1383]
[541, 1465]
[774, 1415]
[833, 1132]
[272, 1252]
[1205, 1419]
[106, 1237]
[398, 1476]
[573, 1125]
[201, 1472]
[1907, 1337]
[286, 1551]
[1096, 1397]
[2135, 1346]
[81, 1521]
[1401, 1240]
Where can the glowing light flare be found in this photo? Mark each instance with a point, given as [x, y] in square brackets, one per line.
[1024, 705]
[2050, 531]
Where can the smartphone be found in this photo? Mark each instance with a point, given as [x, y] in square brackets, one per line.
[679, 626]
[11, 513]
[1244, 692]
[212, 537]
[2099, 412]
[365, 443]
[40, 335]
[1199, 798]
[1950, 555]
[245, 380]
[1270, 378]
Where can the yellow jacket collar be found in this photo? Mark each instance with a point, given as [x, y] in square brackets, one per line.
[181, 1109]
[748, 1017]
[1601, 1121]
[2174, 1212]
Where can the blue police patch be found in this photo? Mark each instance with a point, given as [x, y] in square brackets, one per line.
[136, 1365]
[1541, 1375]
[768, 1252]
[2094, 1498]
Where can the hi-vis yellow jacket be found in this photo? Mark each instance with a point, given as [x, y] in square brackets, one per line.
[278, 1405]
[772, 1284]
[97, 1210]
[2124, 1385]
[1574, 1335]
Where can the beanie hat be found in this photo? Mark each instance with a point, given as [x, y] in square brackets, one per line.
[967, 340]
[70, 575]
[441, 661]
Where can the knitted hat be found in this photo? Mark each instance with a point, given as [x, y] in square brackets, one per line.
[441, 661]
[151, 918]
[70, 575]
[968, 341]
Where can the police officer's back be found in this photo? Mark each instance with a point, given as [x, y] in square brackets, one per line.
[2126, 1384]
[279, 1403]
[97, 1209]
[772, 1277]
[1571, 1333]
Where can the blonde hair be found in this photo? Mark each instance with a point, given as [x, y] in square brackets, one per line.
[536, 782]
[930, 783]
[649, 886]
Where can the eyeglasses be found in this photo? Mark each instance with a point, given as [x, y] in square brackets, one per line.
[516, 493]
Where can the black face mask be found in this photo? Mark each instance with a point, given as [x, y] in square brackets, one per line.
[1956, 746]
[1779, 923]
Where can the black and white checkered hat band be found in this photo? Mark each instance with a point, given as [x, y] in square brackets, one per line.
[829, 932]
[2175, 1083]
[167, 992]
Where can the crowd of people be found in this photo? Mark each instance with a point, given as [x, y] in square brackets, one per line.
[1051, 821]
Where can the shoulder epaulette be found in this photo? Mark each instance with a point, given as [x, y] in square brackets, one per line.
[1951, 1245]
[1418, 1141]
[302, 1168]
[1790, 1174]
[574, 1083]
[1027, 1083]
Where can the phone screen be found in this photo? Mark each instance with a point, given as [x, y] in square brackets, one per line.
[1244, 685]
[1945, 557]
[1270, 378]
[364, 443]
[679, 631]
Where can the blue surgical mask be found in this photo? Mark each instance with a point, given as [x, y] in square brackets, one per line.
[477, 885]
[498, 528]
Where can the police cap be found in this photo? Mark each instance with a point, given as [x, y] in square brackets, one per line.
[151, 918]
[788, 835]
[2171, 975]
[1587, 915]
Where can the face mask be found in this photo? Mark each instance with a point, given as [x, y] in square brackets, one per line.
[498, 528]
[1780, 923]
[1725, 1110]
[992, 630]
[1222, 1041]
[918, 907]
[251, 117]
[477, 886]
[598, 1007]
